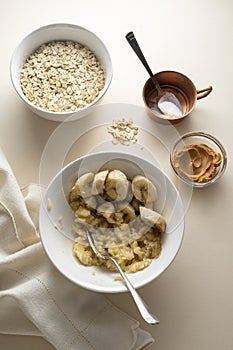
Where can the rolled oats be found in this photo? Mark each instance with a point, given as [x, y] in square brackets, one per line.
[123, 131]
[62, 76]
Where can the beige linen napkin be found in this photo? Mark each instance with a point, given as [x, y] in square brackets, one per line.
[35, 299]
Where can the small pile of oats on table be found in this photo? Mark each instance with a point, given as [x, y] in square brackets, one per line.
[123, 131]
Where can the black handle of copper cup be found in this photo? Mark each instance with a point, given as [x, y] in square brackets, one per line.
[134, 44]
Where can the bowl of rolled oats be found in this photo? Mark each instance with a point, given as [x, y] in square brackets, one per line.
[61, 71]
[132, 209]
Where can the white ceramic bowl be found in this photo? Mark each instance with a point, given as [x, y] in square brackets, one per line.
[58, 242]
[62, 32]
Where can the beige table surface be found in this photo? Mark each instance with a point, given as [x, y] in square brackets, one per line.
[194, 297]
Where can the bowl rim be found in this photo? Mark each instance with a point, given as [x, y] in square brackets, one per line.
[209, 137]
[47, 27]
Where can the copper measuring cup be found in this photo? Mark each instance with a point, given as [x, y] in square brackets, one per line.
[180, 85]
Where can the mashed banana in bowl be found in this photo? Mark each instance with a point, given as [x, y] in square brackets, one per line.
[121, 214]
[153, 235]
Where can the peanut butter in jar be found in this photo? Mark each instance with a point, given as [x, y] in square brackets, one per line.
[197, 162]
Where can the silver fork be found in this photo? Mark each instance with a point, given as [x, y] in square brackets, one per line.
[142, 307]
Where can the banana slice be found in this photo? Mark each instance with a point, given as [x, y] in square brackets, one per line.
[127, 211]
[116, 185]
[143, 189]
[83, 185]
[106, 209]
[130, 195]
[99, 182]
[153, 218]
[90, 202]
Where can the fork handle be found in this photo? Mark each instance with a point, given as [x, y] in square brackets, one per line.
[142, 307]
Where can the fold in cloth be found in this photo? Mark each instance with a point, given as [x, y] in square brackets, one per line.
[35, 299]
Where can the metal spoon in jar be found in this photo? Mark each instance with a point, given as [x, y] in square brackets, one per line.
[166, 102]
[142, 307]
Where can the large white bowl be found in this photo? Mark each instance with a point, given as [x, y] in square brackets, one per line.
[62, 32]
[58, 242]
